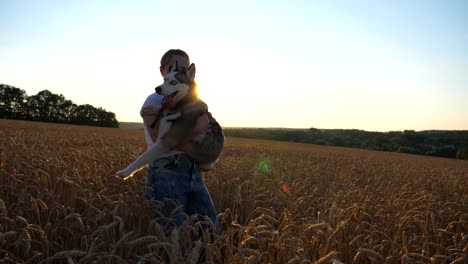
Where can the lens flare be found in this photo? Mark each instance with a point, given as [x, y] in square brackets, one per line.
[264, 164]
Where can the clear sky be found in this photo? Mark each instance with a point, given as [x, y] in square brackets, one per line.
[372, 65]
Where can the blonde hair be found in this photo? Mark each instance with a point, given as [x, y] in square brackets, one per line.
[171, 53]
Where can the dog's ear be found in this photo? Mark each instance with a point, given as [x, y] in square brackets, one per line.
[191, 72]
[174, 68]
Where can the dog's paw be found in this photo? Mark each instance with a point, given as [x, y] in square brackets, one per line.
[172, 117]
[123, 174]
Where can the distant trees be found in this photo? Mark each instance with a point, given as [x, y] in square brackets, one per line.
[448, 144]
[462, 153]
[46, 106]
[12, 103]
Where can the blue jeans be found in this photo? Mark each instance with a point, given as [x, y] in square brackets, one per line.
[176, 184]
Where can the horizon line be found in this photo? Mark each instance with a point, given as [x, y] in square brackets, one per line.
[292, 128]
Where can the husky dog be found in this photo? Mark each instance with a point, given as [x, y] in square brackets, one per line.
[184, 124]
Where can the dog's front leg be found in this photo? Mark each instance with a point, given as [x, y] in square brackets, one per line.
[157, 150]
[154, 152]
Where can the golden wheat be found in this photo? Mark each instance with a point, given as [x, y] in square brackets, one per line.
[277, 203]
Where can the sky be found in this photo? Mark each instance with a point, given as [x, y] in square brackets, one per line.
[356, 64]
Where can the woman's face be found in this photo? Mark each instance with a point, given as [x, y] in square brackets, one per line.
[182, 63]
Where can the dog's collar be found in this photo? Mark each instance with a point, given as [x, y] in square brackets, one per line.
[165, 104]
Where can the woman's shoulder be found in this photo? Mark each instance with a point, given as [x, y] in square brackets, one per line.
[153, 99]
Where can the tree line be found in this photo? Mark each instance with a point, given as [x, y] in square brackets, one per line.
[448, 144]
[46, 106]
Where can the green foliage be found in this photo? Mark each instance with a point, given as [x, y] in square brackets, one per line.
[13, 100]
[462, 153]
[46, 106]
[448, 144]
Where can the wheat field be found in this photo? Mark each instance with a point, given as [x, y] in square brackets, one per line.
[277, 203]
